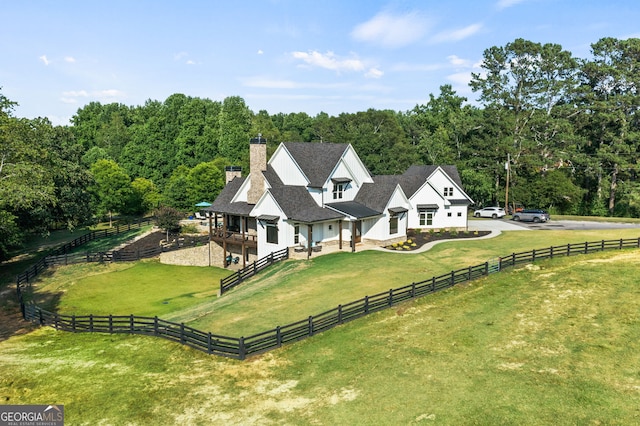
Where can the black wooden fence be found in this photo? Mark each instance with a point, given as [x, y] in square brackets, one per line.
[123, 255]
[240, 348]
[227, 283]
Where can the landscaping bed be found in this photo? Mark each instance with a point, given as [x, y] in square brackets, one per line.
[416, 239]
[155, 239]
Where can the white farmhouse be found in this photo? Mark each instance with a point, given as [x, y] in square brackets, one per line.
[313, 194]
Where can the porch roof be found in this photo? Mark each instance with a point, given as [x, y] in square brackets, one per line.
[353, 208]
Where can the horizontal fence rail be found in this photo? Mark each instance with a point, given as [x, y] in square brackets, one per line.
[240, 348]
[227, 283]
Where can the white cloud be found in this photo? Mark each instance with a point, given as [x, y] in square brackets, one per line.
[391, 30]
[503, 4]
[458, 62]
[190, 62]
[44, 59]
[69, 59]
[260, 52]
[329, 61]
[374, 73]
[108, 95]
[76, 94]
[456, 35]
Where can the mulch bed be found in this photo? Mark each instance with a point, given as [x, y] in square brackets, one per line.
[153, 240]
[418, 239]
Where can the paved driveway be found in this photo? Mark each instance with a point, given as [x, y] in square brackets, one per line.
[509, 225]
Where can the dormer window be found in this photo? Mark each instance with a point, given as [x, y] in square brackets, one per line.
[338, 188]
[339, 184]
[448, 192]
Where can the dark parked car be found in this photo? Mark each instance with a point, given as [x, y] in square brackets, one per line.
[531, 215]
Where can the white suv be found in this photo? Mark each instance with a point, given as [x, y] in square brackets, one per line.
[492, 212]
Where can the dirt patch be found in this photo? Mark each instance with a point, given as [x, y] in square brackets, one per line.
[155, 239]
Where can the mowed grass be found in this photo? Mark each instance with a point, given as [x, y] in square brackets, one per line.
[554, 342]
[145, 288]
[296, 289]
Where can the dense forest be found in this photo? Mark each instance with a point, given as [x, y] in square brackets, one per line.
[565, 128]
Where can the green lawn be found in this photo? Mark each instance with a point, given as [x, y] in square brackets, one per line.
[294, 290]
[146, 288]
[285, 293]
[551, 343]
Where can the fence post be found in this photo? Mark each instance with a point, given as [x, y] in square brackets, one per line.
[620, 243]
[182, 336]
[209, 344]
[453, 278]
[413, 289]
[91, 323]
[310, 325]
[366, 304]
[551, 252]
[73, 323]
[339, 314]
[110, 323]
[242, 350]
[278, 336]
[586, 247]
[433, 283]
[602, 245]
[131, 323]
[390, 296]
[254, 268]
[155, 325]
[533, 256]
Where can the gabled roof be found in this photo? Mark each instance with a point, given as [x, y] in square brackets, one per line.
[298, 205]
[409, 183]
[376, 195]
[223, 204]
[272, 177]
[316, 160]
[427, 170]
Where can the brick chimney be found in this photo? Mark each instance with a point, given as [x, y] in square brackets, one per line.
[257, 165]
[232, 172]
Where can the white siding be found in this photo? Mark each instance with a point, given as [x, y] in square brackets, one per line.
[358, 170]
[286, 168]
[380, 229]
[267, 206]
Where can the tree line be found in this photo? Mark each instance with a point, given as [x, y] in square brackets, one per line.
[565, 129]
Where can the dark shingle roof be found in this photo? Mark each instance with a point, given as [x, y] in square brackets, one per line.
[272, 177]
[355, 209]
[426, 170]
[298, 204]
[317, 160]
[376, 195]
[223, 204]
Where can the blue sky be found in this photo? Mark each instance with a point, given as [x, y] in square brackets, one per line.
[278, 55]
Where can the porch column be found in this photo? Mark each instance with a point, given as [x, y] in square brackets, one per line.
[210, 236]
[224, 239]
[353, 237]
[244, 242]
[340, 234]
[309, 239]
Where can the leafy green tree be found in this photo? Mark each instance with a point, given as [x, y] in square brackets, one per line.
[26, 185]
[205, 181]
[111, 189]
[144, 197]
[175, 193]
[168, 219]
[610, 106]
[235, 126]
